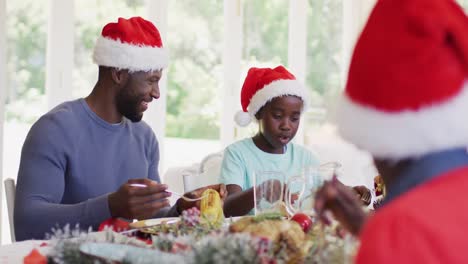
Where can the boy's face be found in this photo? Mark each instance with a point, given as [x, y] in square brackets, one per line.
[135, 95]
[279, 120]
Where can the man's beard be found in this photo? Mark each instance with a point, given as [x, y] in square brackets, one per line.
[128, 105]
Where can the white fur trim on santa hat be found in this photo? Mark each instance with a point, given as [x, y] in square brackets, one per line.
[276, 89]
[114, 53]
[242, 118]
[405, 134]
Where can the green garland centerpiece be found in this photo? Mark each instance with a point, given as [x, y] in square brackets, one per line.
[192, 240]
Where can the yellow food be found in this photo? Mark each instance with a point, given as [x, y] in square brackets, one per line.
[211, 207]
[289, 233]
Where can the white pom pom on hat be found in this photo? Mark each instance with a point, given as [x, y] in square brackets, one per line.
[242, 118]
[262, 85]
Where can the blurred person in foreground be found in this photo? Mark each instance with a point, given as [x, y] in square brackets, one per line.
[93, 158]
[406, 102]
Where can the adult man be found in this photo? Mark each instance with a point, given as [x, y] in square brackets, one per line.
[406, 102]
[86, 160]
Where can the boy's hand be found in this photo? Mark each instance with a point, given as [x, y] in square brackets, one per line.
[271, 190]
[183, 205]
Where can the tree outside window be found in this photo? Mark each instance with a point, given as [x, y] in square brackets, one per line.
[195, 41]
[265, 42]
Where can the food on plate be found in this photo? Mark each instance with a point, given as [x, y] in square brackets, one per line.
[281, 208]
[211, 207]
[379, 186]
[380, 191]
[303, 220]
[276, 229]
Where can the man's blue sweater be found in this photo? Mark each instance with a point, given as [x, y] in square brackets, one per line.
[71, 160]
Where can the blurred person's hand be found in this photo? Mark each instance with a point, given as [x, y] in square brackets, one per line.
[364, 194]
[343, 203]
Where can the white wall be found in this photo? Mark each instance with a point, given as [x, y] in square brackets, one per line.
[155, 116]
[3, 84]
[297, 47]
[60, 43]
[232, 56]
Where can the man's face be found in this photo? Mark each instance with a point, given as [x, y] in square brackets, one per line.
[135, 95]
[279, 120]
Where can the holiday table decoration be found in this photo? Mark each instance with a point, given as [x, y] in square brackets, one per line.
[200, 237]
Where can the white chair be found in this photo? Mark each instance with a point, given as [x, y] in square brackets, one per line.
[10, 192]
[207, 173]
[212, 162]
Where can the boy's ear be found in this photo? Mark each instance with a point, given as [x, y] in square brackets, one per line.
[119, 76]
[259, 114]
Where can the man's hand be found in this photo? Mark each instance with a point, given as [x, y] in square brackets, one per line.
[364, 194]
[141, 201]
[183, 205]
[343, 203]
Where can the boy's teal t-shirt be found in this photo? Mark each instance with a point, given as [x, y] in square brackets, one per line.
[243, 158]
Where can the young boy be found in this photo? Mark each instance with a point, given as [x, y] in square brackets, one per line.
[276, 100]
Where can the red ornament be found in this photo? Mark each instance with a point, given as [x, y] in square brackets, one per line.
[303, 220]
[35, 257]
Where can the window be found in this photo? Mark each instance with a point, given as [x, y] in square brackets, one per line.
[195, 41]
[325, 81]
[265, 43]
[90, 17]
[25, 100]
[26, 46]
[324, 52]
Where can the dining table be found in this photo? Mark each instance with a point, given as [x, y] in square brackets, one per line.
[16, 251]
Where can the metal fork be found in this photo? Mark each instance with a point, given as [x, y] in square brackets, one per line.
[187, 198]
[139, 185]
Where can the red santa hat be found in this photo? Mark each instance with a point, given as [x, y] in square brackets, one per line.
[407, 89]
[262, 85]
[134, 44]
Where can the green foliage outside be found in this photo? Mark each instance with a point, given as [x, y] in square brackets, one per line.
[324, 50]
[26, 41]
[90, 17]
[195, 41]
[265, 32]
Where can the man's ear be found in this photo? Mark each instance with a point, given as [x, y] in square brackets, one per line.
[119, 76]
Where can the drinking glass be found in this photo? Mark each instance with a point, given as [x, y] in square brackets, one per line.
[301, 189]
[268, 191]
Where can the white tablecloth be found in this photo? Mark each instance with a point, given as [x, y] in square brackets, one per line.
[15, 252]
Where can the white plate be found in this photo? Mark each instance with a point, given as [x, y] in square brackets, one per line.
[154, 222]
[229, 220]
[116, 253]
[233, 218]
